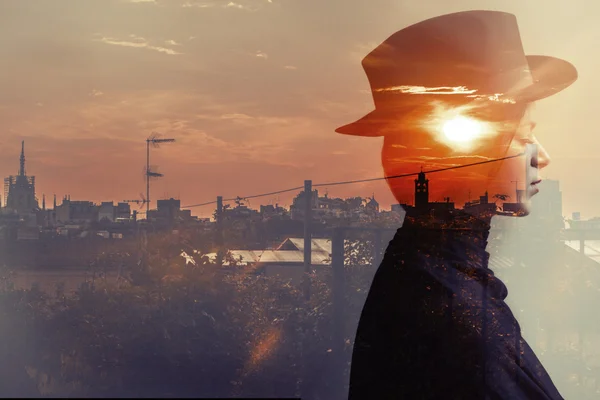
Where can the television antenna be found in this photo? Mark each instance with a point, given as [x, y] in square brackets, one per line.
[155, 140]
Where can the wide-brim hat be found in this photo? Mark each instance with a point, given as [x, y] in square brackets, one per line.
[458, 59]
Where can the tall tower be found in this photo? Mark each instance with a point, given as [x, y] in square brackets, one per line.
[20, 189]
[421, 191]
[22, 160]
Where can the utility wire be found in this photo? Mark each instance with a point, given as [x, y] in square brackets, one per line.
[360, 180]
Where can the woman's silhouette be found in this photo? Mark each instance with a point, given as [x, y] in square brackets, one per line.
[453, 98]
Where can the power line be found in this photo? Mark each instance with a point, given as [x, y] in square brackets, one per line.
[360, 180]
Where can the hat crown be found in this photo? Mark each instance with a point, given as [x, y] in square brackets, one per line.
[472, 53]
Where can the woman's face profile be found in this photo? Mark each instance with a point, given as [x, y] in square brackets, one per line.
[447, 140]
[536, 158]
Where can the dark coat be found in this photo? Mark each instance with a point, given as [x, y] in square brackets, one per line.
[435, 326]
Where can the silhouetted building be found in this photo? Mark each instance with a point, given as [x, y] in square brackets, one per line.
[421, 191]
[441, 205]
[481, 206]
[76, 211]
[372, 204]
[20, 190]
[297, 207]
[270, 210]
[107, 211]
[123, 211]
[169, 211]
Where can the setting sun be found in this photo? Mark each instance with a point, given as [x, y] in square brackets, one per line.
[457, 129]
[462, 129]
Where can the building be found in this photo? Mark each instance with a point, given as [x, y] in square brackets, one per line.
[422, 203]
[372, 205]
[76, 211]
[421, 191]
[169, 211]
[123, 211]
[20, 190]
[324, 207]
[106, 211]
[481, 206]
[298, 204]
[168, 208]
[268, 211]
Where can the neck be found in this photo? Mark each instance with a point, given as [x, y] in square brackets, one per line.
[454, 235]
[448, 220]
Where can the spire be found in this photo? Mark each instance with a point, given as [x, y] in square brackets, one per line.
[22, 165]
[55, 201]
[43, 202]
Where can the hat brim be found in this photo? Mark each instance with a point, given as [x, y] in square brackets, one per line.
[550, 76]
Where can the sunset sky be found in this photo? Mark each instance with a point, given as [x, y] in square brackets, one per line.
[252, 90]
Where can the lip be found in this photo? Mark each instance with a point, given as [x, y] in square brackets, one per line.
[535, 182]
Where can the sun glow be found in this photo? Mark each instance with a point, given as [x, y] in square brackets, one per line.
[462, 129]
[456, 129]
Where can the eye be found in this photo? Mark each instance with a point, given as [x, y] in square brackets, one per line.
[525, 139]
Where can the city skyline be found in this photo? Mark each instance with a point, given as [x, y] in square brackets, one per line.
[254, 108]
[20, 196]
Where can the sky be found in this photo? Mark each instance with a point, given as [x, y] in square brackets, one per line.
[252, 91]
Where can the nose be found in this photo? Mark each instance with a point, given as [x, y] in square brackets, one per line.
[542, 158]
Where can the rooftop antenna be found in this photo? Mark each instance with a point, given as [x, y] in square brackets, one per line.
[155, 140]
[140, 202]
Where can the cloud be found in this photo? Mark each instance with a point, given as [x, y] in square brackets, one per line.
[141, 1]
[195, 4]
[236, 116]
[428, 90]
[290, 67]
[172, 42]
[138, 42]
[260, 54]
[95, 93]
[255, 120]
[248, 5]
[137, 38]
[231, 4]
[220, 134]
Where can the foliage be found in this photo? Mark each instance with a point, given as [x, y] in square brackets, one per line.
[189, 330]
